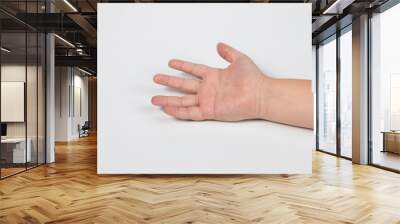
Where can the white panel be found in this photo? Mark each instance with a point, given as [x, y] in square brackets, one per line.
[135, 41]
[12, 101]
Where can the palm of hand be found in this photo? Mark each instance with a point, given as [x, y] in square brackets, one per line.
[229, 94]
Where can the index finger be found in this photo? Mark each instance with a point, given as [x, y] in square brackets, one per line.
[198, 70]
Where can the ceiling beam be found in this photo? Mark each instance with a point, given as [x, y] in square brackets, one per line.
[85, 25]
[82, 61]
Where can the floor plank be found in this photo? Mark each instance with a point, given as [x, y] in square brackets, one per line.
[70, 191]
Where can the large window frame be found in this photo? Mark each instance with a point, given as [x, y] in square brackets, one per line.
[334, 37]
[326, 60]
[345, 88]
[381, 9]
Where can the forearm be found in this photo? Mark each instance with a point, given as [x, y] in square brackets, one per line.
[287, 101]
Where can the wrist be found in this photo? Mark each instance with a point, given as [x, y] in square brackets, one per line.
[264, 95]
[288, 101]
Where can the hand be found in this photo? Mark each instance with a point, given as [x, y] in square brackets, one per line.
[229, 94]
[239, 92]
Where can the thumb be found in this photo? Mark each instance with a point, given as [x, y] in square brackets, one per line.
[228, 53]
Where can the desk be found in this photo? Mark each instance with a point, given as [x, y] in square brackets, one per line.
[13, 150]
[391, 141]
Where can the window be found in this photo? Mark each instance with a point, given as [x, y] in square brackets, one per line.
[346, 93]
[395, 102]
[327, 96]
[385, 89]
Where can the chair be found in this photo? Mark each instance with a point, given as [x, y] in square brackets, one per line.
[84, 130]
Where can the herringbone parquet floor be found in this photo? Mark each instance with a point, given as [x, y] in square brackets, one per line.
[70, 191]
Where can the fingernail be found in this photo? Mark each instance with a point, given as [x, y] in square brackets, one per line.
[154, 100]
[171, 62]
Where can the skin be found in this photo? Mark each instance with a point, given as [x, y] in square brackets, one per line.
[238, 92]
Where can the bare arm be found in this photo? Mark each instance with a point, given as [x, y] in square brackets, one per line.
[288, 101]
[239, 92]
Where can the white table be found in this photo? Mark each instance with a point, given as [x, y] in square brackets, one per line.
[19, 155]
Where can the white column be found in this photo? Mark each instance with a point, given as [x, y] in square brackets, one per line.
[50, 92]
[50, 100]
[360, 90]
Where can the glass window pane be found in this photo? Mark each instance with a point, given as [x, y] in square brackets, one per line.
[327, 96]
[386, 89]
[32, 95]
[346, 94]
[31, 88]
[13, 86]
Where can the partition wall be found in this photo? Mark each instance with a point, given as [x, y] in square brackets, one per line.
[23, 87]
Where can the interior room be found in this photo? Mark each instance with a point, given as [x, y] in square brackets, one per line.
[22, 103]
[49, 126]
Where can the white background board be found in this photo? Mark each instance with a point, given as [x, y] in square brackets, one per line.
[136, 41]
[12, 101]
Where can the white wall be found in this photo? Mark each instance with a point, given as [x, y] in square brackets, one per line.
[12, 73]
[79, 117]
[16, 72]
[70, 83]
[61, 103]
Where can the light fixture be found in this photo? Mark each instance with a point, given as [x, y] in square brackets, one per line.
[79, 51]
[65, 41]
[70, 5]
[5, 50]
[337, 7]
[84, 71]
[329, 9]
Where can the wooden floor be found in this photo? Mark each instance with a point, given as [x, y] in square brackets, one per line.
[70, 191]
[387, 159]
[5, 172]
